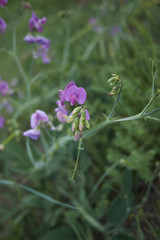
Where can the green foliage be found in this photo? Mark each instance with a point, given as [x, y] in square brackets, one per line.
[119, 166]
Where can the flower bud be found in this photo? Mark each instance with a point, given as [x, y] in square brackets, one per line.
[75, 124]
[76, 111]
[82, 119]
[87, 124]
[78, 135]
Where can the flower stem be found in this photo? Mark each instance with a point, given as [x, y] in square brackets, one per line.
[77, 160]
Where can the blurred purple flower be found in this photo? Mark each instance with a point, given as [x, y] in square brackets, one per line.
[115, 30]
[3, 25]
[75, 95]
[37, 117]
[26, 5]
[87, 115]
[3, 3]
[4, 88]
[32, 133]
[36, 24]
[61, 111]
[42, 52]
[2, 121]
[92, 20]
[30, 38]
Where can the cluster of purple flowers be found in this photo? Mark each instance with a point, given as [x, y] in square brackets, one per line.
[4, 89]
[42, 44]
[3, 24]
[74, 95]
[39, 119]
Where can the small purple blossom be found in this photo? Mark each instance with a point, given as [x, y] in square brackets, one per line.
[26, 5]
[30, 38]
[115, 30]
[2, 121]
[61, 111]
[3, 3]
[75, 95]
[36, 24]
[32, 133]
[3, 25]
[37, 117]
[92, 20]
[4, 88]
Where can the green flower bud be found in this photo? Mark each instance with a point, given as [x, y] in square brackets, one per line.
[76, 111]
[78, 135]
[82, 120]
[75, 124]
[87, 124]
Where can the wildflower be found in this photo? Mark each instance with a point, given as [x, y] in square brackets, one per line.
[4, 87]
[36, 24]
[38, 117]
[3, 3]
[92, 20]
[3, 25]
[61, 111]
[30, 38]
[115, 30]
[32, 133]
[26, 5]
[75, 94]
[2, 121]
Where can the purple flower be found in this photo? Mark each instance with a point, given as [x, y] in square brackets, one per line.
[61, 111]
[3, 25]
[32, 133]
[62, 92]
[30, 38]
[4, 88]
[37, 117]
[2, 121]
[42, 52]
[36, 24]
[26, 5]
[3, 3]
[115, 30]
[92, 20]
[75, 94]
[87, 115]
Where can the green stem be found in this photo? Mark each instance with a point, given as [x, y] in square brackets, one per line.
[19, 65]
[77, 160]
[115, 103]
[149, 103]
[10, 137]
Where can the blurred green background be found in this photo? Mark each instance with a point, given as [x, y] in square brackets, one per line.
[126, 205]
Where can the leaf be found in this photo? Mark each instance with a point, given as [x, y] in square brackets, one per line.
[117, 212]
[122, 236]
[60, 233]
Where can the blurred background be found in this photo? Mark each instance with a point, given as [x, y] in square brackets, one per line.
[90, 40]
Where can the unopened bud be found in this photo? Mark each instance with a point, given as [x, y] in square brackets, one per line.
[75, 124]
[78, 135]
[76, 111]
[69, 118]
[82, 120]
[87, 124]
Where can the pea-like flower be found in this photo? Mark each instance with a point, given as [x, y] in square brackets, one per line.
[36, 24]
[3, 25]
[4, 87]
[2, 121]
[32, 133]
[38, 117]
[75, 95]
[42, 49]
[3, 3]
[79, 117]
